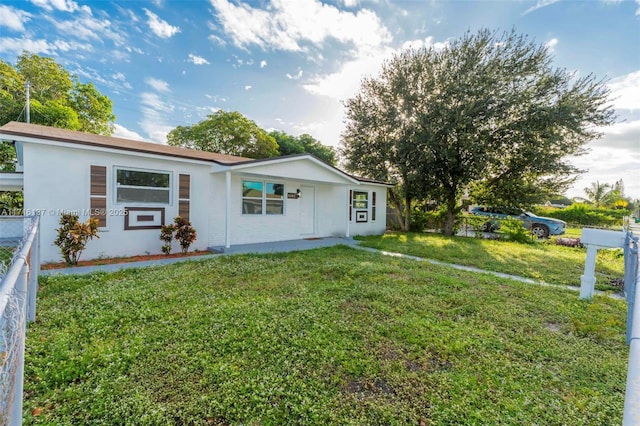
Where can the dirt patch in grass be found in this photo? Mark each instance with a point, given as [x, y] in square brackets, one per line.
[113, 260]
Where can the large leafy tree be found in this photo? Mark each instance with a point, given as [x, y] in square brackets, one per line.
[226, 132]
[486, 113]
[57, 98]
[305, 143]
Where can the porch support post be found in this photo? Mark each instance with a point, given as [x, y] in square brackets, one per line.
[227, 212]
[348, 233]
[588, 279]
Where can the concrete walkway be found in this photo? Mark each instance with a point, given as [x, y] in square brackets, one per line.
[297, 245]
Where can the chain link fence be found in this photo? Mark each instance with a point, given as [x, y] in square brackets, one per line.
[19, 268]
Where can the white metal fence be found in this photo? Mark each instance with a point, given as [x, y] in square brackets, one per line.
[631, 284]
[19, 268]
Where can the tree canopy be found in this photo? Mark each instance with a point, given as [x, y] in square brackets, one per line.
[57, 98]
[226, 132]
[487, 114]
[305, 143]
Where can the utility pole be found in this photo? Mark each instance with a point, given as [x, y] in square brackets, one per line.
[27, 110]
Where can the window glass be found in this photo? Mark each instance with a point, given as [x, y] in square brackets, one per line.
[360, 200]
[251, 206]
[137, 186]
[140, 178]
[262, 197]
[251, 189]
[275, 191]
[275, 207]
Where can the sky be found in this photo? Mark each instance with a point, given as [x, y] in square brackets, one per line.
[291, 64]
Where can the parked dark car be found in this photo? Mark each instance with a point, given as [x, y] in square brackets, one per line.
[539, 226]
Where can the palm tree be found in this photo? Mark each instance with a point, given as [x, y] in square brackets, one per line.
[598, 193]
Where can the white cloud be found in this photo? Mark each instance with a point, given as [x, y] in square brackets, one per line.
[291, 24]
[153, 117]
[551, 44]
[539, 5]
[625, 91]
[62, 5]
[615, 156]
[89, 28]
[119, 76]
[247, 87]
[123, 132]
[350, 3]
[160, 27]
[158, 85]
[197, 60]
[12, 18]
[263, 64]
[424, 43]
[217, 40]
[18, 45]
[638, 9]
[345, 82]
[624, 135]
[296, 76]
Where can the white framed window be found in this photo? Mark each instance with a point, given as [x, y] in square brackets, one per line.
[360, 200]
[261, 197]
[142, 186]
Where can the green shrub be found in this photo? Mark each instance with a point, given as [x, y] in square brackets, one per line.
[166, 236]
[185, 233]
[584, 214]
[477, 223]
[181, 230]
[73, 236]
[514, 230]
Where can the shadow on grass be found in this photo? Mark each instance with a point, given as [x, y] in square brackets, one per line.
[540, 260]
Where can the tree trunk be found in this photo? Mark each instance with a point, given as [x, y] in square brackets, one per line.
[407, 212]
[396, 203]
[452, 205]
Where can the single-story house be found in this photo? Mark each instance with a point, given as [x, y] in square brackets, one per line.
[134, 187]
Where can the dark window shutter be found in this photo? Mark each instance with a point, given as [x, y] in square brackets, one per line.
[373, 206]
[350, 205]
[184, 196]
[98, 194]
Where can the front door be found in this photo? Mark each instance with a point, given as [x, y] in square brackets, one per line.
[307, 210]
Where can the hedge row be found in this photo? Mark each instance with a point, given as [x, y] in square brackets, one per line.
[583, 214]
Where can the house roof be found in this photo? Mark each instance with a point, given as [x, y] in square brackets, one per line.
[36, 131]
[293, 157]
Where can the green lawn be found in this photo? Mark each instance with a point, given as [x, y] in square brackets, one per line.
[543, 261]
[329, 336]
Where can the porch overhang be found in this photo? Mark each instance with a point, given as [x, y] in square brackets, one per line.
[304, 168]
[11, 181]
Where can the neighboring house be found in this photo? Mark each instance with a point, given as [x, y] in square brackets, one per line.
[134, 187]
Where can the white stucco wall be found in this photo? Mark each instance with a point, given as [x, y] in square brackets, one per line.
[330, 217]
[329, 213]
[57, 179]
[371, 227]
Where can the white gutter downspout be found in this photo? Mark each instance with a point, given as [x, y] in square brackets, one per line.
[348, 233]
[227, 212]
[631, 415]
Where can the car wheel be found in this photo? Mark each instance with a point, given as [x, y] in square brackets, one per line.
[539, 230]
[486, 227]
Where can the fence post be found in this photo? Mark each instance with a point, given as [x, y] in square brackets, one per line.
[21, 288]
[588, 279]
[34, 260]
